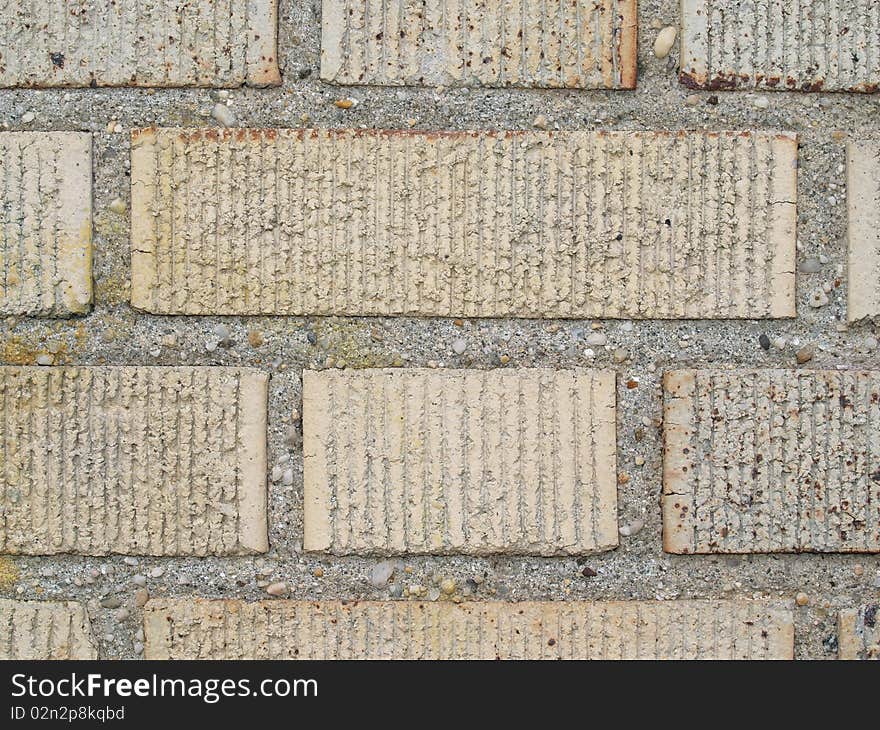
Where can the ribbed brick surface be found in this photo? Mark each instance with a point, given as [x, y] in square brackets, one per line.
[147, 43]
[139, 460]
[553, 43]
[198, 629]
[44, 630]
[46, 223]
[477, 224]
[781, 44]
[771, 461]
[459, 461]
[863, 221]
[859, 633]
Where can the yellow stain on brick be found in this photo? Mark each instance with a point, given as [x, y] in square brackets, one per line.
[8, 574]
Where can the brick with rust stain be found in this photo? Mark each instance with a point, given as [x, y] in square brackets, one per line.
[774, 44]
[766, 461]
[579, 44]
[859, 632]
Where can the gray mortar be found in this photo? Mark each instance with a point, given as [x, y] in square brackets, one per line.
[638, 568]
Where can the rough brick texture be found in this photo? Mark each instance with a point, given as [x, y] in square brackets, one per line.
[863, 221]
[198, 629]
[139, 460]
[859, 633]
[46, 223]
[459, 461]
[138, 43]
[771, 461]
[44, 630]
[553, 43]
[476, 224]
[781, 44]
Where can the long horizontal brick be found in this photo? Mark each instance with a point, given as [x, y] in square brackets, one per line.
[477, 224]
[45, 630]
[863, 227]
[859, 633]
[780, 44]
[49, 43]
[136, 460]
[459, 461]
[46, 226]
[550, 44]
[200, 629]
[771, 461]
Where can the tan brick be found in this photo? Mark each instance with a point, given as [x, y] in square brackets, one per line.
[780, 44]
[46, 227]
[147, 43]
[771, 461]
[138, 460]
[459, 461]
[476, 224]
[44, 630]
[200, 629]
[859, 633]
[863, 231]
[551, 44]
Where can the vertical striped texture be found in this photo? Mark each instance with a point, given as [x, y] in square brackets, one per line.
[859, 633]
[45, 223]
[549, 44]
[43, 630]
[428, 461]
[863, 228]
[139, 460]
[198, 629]
[46, 43]
[476, 224]
[771, 461]
[809, 45]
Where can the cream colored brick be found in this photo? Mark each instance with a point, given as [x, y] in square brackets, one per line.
[549, 44]
[771, 461]
[46, 223]
[863, 228]
[137, 460]
[859, 633]
[200, 629]
[44, 630]
[472, 224]
[459, 461]
[138, 43]
[780, 44]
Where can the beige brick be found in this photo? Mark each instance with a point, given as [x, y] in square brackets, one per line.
[780, 44]
[475, 224]
[46, 226]
[147, 43]
[44, 630]
[863, 232]
[138, 460]
[459, 461]
[771, 461]
[859, 633]
[200, 629]
[549, 44]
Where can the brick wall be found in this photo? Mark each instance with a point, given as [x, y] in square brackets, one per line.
[330, 323]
